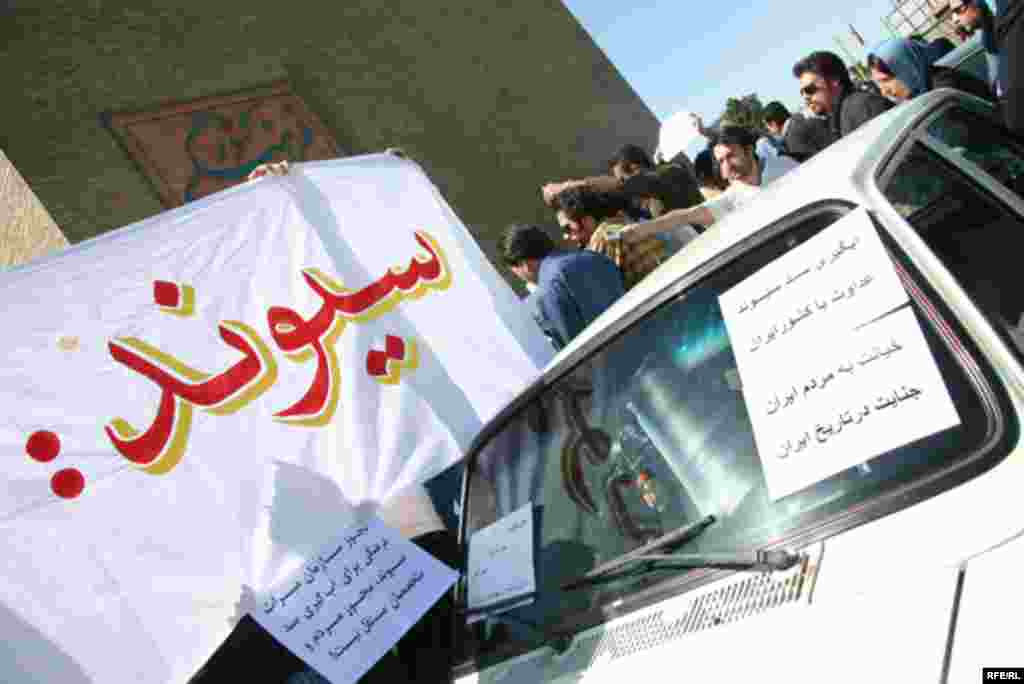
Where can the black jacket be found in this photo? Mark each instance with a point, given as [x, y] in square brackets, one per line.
[944, 77]
[1004, 22]
[806, 136]
[854, 108]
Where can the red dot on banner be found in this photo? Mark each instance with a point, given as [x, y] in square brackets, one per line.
[43, 446]
[67, 483]
[165, 293]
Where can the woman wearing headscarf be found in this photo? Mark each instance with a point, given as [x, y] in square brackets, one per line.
[903, 68]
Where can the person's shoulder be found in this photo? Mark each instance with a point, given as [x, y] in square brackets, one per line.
[562, 261]
[860, 106]
[778, 166]
[669, 168]
[862, 98]
[946, 77]
[555, 261]
[589, 259]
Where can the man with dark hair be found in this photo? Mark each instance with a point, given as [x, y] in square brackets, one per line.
[972, 16]
[711, 183]
[827, 89]
[589, 218]
[777, 120]
[630, 159]
[661, 188]
[572, 288]
[739, 165]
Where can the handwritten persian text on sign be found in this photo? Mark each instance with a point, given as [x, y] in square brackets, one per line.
[345, 608]
[826, 389]
[837, 280]
[501, 561]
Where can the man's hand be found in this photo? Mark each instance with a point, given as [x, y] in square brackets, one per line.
[274, 169]
[551, 190]
[698, 124]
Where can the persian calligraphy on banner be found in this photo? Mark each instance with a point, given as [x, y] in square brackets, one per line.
[344, 608]
[831, 375]
[250, 366]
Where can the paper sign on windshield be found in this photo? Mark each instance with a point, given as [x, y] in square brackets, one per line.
[832, 376]
[344, 609]
[501, 562]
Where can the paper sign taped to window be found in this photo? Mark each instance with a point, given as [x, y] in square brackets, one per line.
[832, 376]
[501, 563]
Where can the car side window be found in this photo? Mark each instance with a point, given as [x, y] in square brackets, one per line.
[974, 235]
[983, 144]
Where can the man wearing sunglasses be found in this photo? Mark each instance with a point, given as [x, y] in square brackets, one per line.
[973, 16]
[828, 91]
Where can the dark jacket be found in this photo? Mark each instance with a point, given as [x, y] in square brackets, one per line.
[806, 136]
[854, 108]
[573, 288]
[944, 77]
[1010, 27]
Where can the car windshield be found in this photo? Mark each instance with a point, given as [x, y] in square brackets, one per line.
[653, 431]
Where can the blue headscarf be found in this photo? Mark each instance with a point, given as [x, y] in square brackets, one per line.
[909, 61]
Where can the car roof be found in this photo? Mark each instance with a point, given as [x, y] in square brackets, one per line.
[844, 171]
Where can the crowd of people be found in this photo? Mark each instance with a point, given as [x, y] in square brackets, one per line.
[620, 226]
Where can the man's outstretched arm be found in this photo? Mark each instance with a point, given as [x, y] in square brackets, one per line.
[670, 221]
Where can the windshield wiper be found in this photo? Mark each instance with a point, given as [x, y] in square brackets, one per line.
[753, 561]
[683, 534]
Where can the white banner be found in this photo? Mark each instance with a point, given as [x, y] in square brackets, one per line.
[193, 404]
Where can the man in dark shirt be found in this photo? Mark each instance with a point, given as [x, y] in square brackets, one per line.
[827, 89]
[974, 16]
[807, 135]
[572, 287]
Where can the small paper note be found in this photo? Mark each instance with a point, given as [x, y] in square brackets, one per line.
[501, 563]
[344, 609]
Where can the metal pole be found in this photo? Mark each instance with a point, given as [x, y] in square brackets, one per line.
[889, 28]
[845, 51]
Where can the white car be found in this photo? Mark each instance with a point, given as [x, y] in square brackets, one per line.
[793, 452]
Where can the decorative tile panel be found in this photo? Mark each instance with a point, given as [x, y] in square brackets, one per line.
[193, 149]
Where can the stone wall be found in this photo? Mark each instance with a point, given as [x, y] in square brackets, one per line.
[26, 230]
[492, 98]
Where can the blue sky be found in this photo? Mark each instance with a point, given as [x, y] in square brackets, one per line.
[694, 54]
